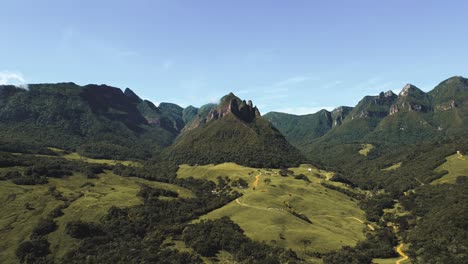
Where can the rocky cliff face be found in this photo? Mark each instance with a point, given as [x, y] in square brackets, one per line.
[167, 115]
[231, 104]
[339, 114]
[374, 106]
[228, 105]
[411, 99]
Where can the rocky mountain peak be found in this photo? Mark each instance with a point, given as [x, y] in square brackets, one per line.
[389, 94]
[231, 104]
[408, 89]
[132, 95]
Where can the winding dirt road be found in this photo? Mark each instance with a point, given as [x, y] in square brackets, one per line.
[402, 254]
[362, 222]
[255, 183]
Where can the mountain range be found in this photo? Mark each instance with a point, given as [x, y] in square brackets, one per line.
[410, 117]
[97, 174]
[106, 122]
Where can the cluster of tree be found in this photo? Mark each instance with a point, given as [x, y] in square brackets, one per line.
[16, 146]
[209, 237]
[378, 244]
[138, 234]
[37, 169]
[337, 177]
[366, 172]
[155, 170]
[240, 183]
[149, 194]
[347, 255]
[44, 227]
[22, 179]
[79, 229]
[301, 177]
[440, 233]
[374, 206]
[36, 250]
[300, 216]
[285, 172]
[355, 195]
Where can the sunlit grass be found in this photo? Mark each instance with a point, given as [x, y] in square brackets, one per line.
[456, 166]
[263, 215]
[366, 148]
[89, 203]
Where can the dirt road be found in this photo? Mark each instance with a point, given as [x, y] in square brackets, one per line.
[402, 254]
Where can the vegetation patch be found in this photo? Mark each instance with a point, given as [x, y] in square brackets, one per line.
[283, 211]
[366, 148]
[29, 209]
[393, 167]
[455, 166]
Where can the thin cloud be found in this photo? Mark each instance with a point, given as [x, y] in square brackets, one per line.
[13, 78]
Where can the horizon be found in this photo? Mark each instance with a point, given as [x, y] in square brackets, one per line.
[295, 58]
[157, 103]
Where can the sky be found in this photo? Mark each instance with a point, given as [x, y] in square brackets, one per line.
[288, 56]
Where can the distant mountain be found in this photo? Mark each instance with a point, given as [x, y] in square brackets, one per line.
[167, 115]
[233, 131]
[96, 120]
[305, 129]
[104, 121]
[412, 116]
[189, 113]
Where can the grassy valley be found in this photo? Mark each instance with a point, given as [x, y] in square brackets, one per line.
[80, 199]
[266, 210]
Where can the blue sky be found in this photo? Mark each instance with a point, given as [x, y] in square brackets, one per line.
[290, 56]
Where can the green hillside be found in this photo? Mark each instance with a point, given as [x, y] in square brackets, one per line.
[265, 212]
[233, 131]
[98, 121]
[412, 117]
[301, 129]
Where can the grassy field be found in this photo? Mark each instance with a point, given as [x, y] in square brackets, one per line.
[387, 261]
[393, 167]
[23, 206]
[76, 156]
[456, 165]
[366, 148]
[264, 213]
